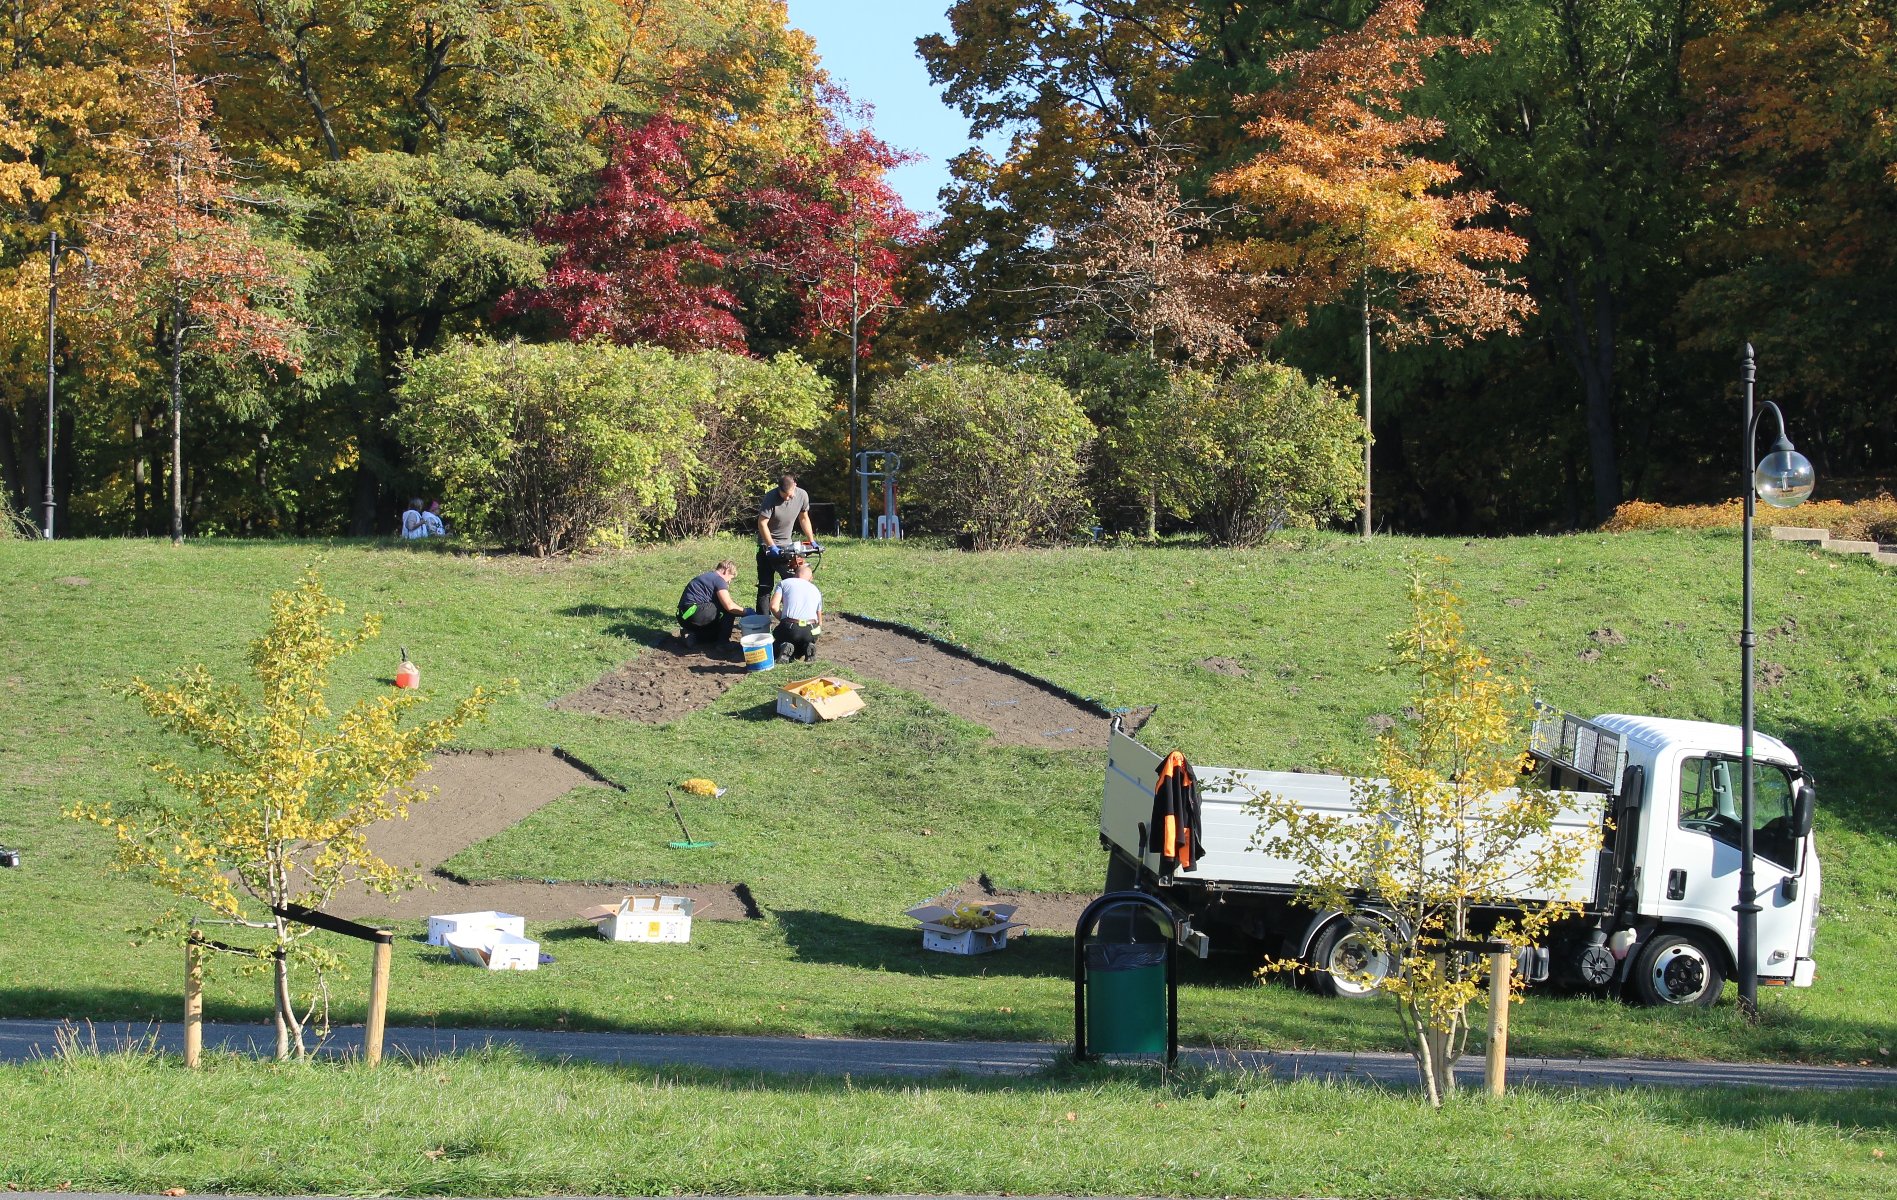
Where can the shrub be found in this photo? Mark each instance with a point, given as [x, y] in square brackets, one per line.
[994, 454]
[1260, 449]
[755, 417]
[555, 447]
[1873, 520]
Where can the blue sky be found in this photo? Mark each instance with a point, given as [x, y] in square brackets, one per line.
[869, 46]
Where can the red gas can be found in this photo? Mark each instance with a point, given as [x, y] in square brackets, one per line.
[408, 675]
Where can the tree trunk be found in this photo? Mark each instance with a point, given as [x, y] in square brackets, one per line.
[177, 423]
[140, 469]
[1591, 348]
[1366, 411]
[10, 481]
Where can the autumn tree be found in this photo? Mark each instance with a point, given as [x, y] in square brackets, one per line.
[1360, 211]
[1462, 836]
[281, 817]
[634, 264]
[1140, 268]
[180, 253]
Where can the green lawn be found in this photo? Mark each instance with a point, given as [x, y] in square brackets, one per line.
[837, 829]
[495, 1125]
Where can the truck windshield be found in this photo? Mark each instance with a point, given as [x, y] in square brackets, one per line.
[1709, 804]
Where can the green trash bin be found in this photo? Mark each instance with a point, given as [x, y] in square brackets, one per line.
[1125, 978]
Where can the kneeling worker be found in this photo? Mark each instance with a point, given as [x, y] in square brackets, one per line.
[798, 606]
[706, 611]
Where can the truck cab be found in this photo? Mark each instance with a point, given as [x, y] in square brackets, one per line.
[1663, 796]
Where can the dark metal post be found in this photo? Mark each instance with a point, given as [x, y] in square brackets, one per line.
[1748, 906]
[52, 334]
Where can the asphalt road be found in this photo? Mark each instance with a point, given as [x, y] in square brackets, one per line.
[21, 1040]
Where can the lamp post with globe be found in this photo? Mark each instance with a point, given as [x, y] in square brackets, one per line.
[1783, 479]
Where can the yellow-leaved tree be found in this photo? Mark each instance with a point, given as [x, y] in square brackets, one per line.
[281, 817]
[1453, 843]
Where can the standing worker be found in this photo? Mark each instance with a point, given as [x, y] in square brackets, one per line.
[780, 514]
[798, 607]
[706, 611]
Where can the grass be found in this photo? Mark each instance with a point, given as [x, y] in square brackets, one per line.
[837, 829]
[494, 1124]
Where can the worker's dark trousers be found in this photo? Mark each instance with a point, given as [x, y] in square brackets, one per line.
[770, 568]
[796, 639]
[708, 630]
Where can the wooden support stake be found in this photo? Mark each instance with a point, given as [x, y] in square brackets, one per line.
[378, 998]
[1496, 1068]
[193, 999]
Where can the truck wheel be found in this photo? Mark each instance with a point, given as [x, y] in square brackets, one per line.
[1677, 968]
[1343, 955]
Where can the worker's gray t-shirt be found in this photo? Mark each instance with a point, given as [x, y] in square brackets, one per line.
[800, 600]
[782, 514]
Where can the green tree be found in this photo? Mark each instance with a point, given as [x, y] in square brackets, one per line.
[758, 418]
[994, 454]
[556, 447]
[1461, 836]
[1259, 449]
[282, 817]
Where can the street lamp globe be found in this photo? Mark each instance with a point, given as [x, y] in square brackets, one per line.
[1784, 477]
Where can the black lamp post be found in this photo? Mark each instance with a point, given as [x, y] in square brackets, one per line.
[54, 251]
[1783, 479]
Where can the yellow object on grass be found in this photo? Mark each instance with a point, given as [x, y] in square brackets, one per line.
[699, 787]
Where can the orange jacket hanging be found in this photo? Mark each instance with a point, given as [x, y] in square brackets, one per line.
[1176, 821]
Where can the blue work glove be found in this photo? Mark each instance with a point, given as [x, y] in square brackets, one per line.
[815, 548]
[773, 550]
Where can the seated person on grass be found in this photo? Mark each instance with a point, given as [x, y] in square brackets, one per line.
[706, 611]
[798, 606]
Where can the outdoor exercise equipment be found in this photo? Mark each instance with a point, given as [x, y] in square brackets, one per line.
[1126, 978]
[883, 465]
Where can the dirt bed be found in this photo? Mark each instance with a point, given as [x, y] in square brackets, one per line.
[669, 681]
[481, 793]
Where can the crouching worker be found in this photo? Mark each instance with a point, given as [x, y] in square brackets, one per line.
[706, 611]
[798, 606]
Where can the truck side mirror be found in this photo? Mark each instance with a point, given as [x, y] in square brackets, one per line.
[1804, 802]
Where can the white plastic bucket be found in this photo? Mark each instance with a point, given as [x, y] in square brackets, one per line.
[758, 653]
[751, 623]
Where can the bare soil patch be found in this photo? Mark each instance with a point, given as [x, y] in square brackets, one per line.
[479, 794]
[1225, 666]
[1040, 910]
[666, 681]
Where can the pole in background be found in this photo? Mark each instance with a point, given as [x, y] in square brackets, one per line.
[52, 336]
[1748, 906]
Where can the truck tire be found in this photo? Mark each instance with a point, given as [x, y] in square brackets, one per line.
[1678, 968]
[1340, 951]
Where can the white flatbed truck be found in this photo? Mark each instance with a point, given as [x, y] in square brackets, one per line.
[1657, 900]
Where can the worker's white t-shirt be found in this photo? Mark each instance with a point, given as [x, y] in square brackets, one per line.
[801, 599]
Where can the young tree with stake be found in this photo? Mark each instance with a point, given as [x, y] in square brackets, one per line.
[283, 819]
[1450, 836]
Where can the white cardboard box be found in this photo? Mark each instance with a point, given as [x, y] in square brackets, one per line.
[645, 919]
[792, 703]
[495, 950]
[947, 939]
[468, 922]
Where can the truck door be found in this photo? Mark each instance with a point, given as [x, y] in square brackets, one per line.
[1700, 876]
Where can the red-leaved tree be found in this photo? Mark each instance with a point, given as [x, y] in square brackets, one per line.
[179, 254]
[834, 229]
[637, 264]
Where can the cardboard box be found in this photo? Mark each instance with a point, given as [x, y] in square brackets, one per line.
[645, 919]
[793, 702]
[469, 922]
[494, 950]
[947, 939]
